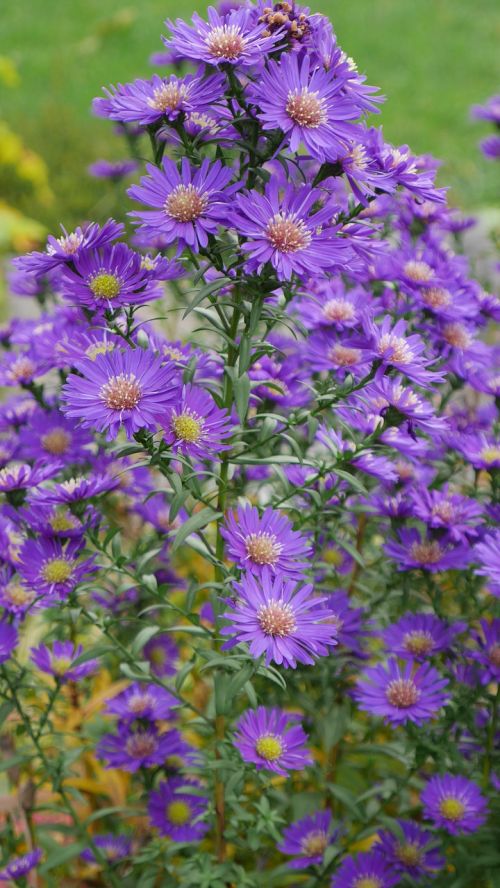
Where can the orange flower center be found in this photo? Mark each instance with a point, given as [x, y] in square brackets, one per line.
[402, 693]
[121, 392]
[276, 618]
[263, 548]
[185, 203]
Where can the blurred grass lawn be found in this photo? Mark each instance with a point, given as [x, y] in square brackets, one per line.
[431, 58]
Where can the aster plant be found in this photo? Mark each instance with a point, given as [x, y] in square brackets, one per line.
[249, 476]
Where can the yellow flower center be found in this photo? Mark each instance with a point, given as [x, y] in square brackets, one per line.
[269, 747]
[288, 234]
[60, 665]
[56, 441]
[61, 521]
[490, 454]
[58, 570]
[263, 548]
[402, 693]
[225, 42]
[368, 882]
[98, 348]
[178, 812]
[17, 595]
[333, 557]
[452, 808]
[185, 203]
[410, 854]
[105, 286]
[314, 843]
[276, 618]
[188, 427]
[305, 108]
[121, 392]
[418, 642]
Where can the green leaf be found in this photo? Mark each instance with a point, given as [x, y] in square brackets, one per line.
[142, 638]
[241, 387]
[61, 855]
[194, 523]
[205, 291]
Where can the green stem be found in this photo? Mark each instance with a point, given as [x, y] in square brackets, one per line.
[57, 782]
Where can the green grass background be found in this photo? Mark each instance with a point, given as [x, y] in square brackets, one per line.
[431, 58]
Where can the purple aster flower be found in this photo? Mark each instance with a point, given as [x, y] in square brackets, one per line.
[21, 476]
[366, 870]
[52, 568]
[255, 541]
[487, 555]
[339, 354]
[115, 171]
[19, 368]
[488, 650]
[20, 866]
[148, 101]
[401, 692]
[412, 850]
[394, 348]
[145, 701]
[176, 809]
[63, 250]
[123, 388]
[233, 39]
[114, 848]
[281, 227]
[141, 747]
[15, 598]
[57, 521]
[270, 739]
[398, 403]
[490, 146]
[411, 551]
[454, 803]
[53, 435]
[348, 622]
[60, 661]
[195, 426]
[108, 278]
[162, 654]
[8, 640]
[419, 636]
[280, 382]
[188, 205]
[490, 111]
[448, 511]
[278, 618]
[332, 305]
[308, 104]
[307, 839]
[75, 490]
[480, 449]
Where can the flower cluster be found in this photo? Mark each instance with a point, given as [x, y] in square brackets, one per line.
[249, 476]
